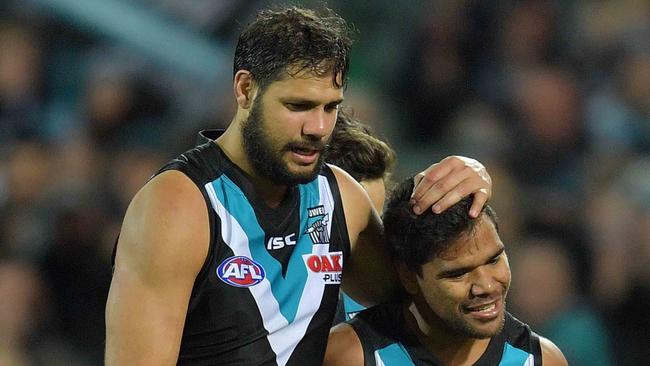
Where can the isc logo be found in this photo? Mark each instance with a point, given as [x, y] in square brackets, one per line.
[279, 242]
[330, 265]
[240, 272]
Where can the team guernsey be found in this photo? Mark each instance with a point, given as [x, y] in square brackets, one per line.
[387, 341]
[268, 290]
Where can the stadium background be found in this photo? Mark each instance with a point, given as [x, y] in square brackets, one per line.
[552, 96]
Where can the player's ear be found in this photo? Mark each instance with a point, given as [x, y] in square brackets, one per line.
[407, 278]
[245, 88]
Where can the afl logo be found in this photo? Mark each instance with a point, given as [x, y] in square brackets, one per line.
[240, 272]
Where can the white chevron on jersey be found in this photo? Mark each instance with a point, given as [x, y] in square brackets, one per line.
[283, 336]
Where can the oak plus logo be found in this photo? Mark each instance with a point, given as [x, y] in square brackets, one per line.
[279, 242]
[329, 266]
[241, 271]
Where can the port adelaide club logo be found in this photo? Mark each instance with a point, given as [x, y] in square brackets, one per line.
[241, 271]
[328, 266]
[317, 225]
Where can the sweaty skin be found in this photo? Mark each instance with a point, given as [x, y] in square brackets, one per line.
[165, 235]
[457, 304]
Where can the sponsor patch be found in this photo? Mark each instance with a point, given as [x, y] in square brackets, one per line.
[329, 266]
[279, 242]
[241, 272]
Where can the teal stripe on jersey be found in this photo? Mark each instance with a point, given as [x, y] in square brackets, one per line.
[395, 354]
[286, 291]
[350, 306]
[513, 356]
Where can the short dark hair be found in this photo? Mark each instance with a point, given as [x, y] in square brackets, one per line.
[290, 40]
[416, 239]
[357, 150]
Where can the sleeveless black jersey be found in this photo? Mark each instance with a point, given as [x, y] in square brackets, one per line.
[268, 290]
[386, 341]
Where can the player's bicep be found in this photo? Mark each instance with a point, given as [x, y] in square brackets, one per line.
[142, 323]
[343, 347]
[551, 354]
[162, 247]
[368, 275]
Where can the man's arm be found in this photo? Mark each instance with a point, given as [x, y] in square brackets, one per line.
[162, 247]
[368, 275]
[551, 354]
[343, 347]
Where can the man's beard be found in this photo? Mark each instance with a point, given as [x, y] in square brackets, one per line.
[460, 326]
[266, 159]
[455, 323]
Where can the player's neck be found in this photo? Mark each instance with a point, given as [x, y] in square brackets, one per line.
[232, 145]
[450, 348]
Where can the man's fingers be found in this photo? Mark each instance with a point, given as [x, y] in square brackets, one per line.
[416, 181]
[450, 185]
[453, 195]
[445, 183]
[425, 179]
[480, 199]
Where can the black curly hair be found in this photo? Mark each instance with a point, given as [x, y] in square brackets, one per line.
[416, 239]
[290, 40]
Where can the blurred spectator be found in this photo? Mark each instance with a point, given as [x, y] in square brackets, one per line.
[479, 130]
[619, 222]
[24, 341]
[131, 170]
[550, 153]
[78, 274]
[20, 289]
[432, 82]
[23, 214]
[544, 293]
[524, 35]
[121, 110]
[20, 83]
[553, 97]
[619, 110]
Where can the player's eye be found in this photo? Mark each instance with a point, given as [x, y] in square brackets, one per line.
[297, 107]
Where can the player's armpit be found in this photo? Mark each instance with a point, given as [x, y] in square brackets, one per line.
[368, 274]
[343, 347]
[551, 354]
[163, 245]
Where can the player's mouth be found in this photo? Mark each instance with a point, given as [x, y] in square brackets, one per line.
[305, 155]
[485, 311]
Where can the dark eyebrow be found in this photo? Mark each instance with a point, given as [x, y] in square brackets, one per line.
[306, 103]
[460, 270]
[310, 103]
[336, 102]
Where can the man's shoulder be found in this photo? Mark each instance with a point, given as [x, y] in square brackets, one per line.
[379, 321]
[520, 334]
[379, 313]
[165, 225]
[516, 331]
[202, 163]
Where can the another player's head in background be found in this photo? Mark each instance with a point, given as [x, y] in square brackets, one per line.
[368, 159]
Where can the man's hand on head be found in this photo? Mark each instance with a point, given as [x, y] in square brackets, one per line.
[443, 184]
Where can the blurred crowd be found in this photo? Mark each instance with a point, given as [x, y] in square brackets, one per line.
[552, 96]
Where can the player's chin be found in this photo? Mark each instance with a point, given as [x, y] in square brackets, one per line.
[488, 329]
[304, 174]
[304, 169]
